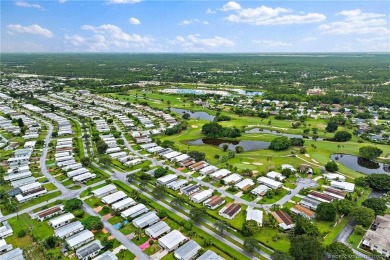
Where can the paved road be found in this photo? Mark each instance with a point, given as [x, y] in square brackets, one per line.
[227, 242]
[118, 235]
[65, 191]
[348, 230]
[304, 184]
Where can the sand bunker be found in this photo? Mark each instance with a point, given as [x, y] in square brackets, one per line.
[194, 126]
[307, 155]
[257, 163]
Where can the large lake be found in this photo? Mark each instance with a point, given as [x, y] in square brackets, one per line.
[360, 164]
[195, 115]
[248, 145]
[273, 132]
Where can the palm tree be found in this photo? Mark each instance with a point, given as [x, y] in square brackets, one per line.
[138, 233]
[221, 225]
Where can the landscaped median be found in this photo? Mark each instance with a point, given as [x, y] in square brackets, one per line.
[198, 234]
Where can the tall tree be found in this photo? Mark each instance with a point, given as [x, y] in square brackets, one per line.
[306, 247]
[377, 204]
[221, 226]
[363, 216]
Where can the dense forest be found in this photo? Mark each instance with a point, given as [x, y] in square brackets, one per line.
[283, 76]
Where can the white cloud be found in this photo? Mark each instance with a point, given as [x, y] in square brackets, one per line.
[210, 11]
[357, 22]
[192, 21]
[62, 1]
[310, 39]
[31, 29]
[264, 15]
[193, 42]
[229, 6]
[28, 5]
[134, 21]
[122, 1]
[108, 37]
[272, 44]
[116, 33]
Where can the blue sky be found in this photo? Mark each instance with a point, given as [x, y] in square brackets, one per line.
[194, 26]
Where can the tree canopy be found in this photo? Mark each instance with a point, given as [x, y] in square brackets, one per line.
[280, 143]
[376, 204]
[370, 152]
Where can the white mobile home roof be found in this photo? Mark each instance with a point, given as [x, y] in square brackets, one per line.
[76, 172]
[347, 186]
[109, 199]
[233, 178]
[134, 211]
[242, 184]
[182, 157]
[207, 169]
[19, 169]
[171, 155]
[201, 196]
[167, 179]
[68, 229]
[177, 184]
[61, 219]
[209, 255]
[274, 175]
[64, 158]
[260, 189]
[65, 163]
[30, 186]
[270, 182]
[17, 176]
[123, 203]
[104, 190]
[79, 238]
[118, 154]
[220, 173]
[149, 145]
[172, 240]
[187, 251]
[84, 176]
[61, 154]
[254, 214]
[113, 150]
[72, 166]
[22, 182]
[146, 220]
[157, 229]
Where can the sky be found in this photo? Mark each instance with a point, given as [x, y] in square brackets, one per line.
[194, 26]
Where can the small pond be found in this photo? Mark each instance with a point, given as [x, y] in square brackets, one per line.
[273, 132]
[195, 115]
[248, 145]
[360, 164]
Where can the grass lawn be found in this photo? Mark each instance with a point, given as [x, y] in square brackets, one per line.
[86, 192]
[275, 198]
[115, 220]
[67, 182]
[335, 231]
[50, 186]
[127, 229]
[296, 199]
[273, 238]
[30, 203]
[355, 239]
[173, 217]
[249, 197]
[94, 202]
[125, 255]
